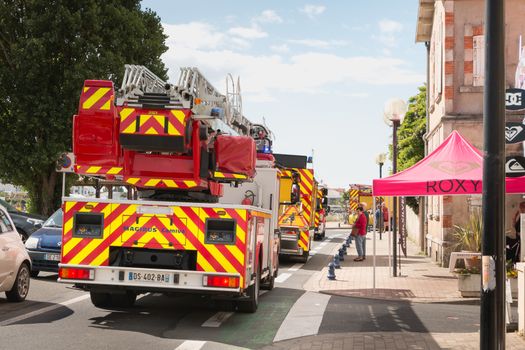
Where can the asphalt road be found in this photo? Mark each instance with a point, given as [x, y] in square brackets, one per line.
[55, 316]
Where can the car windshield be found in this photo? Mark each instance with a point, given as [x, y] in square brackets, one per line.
[8, 206]
[54, 220]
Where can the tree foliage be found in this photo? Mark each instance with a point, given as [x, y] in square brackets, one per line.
[411, 145]
[47, 50]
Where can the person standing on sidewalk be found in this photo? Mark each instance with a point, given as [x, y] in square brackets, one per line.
[378, 218]
[360, 239]
[386, 224]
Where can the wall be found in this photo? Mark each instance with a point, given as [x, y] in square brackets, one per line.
[413, 226]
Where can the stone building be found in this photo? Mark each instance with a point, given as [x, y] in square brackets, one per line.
[453, 32]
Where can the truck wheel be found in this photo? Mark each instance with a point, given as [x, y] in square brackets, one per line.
[269, 283]
[304, 257]
[250, 305]
[100, 299]
[21, 286]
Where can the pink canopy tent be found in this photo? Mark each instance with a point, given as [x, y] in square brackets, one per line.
[455, 167]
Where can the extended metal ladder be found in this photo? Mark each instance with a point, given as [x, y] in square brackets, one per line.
[142, 88]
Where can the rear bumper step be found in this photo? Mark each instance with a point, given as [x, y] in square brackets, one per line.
[144, 279]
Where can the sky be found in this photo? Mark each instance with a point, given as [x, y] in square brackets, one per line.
[317, 72]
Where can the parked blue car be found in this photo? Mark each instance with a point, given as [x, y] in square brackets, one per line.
[45, 244]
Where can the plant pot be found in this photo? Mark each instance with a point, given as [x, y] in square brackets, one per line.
[472, 263]
[469, 285]
[514, 288]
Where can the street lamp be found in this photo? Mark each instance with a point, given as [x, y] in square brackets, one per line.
[395, 110]
[380, 160]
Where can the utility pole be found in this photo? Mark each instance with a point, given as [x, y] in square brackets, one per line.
[492, 313]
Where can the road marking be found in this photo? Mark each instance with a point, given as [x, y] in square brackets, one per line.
[373, 316]
[217, 319]
[296, 267]
[304, 318]
[282, 277]
[44, 310]
[313, 252]
[191, 345]
[263, 292]
[323, 244]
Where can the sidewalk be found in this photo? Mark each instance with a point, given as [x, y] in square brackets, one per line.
[420, 281]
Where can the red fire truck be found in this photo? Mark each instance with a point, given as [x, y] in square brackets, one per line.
[177, 145]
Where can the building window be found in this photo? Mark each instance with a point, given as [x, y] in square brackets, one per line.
[478, 56]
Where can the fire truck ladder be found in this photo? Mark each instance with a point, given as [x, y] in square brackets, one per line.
[234, 112]
[142, 88]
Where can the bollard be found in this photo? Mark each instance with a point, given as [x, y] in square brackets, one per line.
[331, 271]
[337, 265]
[344, 250]
[341, 255]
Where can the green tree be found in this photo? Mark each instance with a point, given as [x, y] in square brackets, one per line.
[47, 50]
[411, 146]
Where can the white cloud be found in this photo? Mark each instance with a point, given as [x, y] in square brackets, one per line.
[253, 32]
[313, 10]
[388, 32]
[268, 16]
[194, 35]
[283, 48]
[265, 76]
[389, 26]
[230, 18]
[320, 44]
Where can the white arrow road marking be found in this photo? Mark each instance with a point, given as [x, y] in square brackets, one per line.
[217, 319]
[282, 277]
[191, 345]
[304, 318]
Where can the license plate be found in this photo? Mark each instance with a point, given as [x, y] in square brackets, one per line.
[52, 257]
[162, 278]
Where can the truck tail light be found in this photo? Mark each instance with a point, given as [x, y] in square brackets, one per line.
[72, 273]
[221, 281]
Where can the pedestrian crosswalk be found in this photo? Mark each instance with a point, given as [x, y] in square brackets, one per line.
[304, 318]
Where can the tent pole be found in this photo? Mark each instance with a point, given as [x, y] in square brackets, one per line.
[492, 308]
[394, 216]
[374, 245]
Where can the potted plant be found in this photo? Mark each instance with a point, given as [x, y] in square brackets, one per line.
[468, 239]
[469, 282]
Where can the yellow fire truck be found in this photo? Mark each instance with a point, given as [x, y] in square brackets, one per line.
[298, 201]
[177, 145]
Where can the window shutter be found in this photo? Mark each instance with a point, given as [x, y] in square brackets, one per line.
[479, 60]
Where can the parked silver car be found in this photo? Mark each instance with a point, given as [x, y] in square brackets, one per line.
[15, 264]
